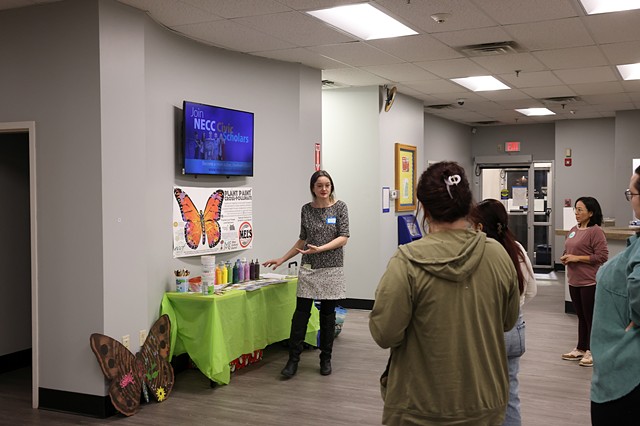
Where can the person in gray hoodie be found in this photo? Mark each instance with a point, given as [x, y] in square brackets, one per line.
[442, 307]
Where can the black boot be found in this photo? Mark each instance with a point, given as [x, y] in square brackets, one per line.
[296, 341]
[327, 334]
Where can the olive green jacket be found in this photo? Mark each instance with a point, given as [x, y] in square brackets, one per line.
[442, 307]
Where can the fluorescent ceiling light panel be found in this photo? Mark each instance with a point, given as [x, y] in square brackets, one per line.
[530, 112]
[629, 71]
[364, 21]
[593, 7]
[483, 83]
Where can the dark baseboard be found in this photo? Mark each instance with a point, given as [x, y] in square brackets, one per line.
[15, 361]
[568, 308]
[357, 304]
[75, 403]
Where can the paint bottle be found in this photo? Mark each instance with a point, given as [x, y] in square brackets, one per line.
[257, 266]
[218, 275]
[225, 274]
[247, 271]
[235, 272]
[252, 270]
[240, 271]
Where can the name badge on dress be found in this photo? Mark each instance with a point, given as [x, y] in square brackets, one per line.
[572, 234]
[331, 220]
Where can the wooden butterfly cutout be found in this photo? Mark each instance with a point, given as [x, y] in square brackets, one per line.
[200, 225]
[132, 375]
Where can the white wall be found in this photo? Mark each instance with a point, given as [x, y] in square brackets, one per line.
[351, 154]
[448, 141]
[105, 91]
[627, 147]
[592, 148]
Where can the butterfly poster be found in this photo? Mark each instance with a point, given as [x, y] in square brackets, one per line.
[134, 376]
[211, 220]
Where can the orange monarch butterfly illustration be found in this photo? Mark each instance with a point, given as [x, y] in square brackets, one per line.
[200, 225]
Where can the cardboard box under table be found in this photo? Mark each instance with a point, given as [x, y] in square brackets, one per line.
[216, 329]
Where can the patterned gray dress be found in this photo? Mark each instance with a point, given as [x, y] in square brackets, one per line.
[321, 275]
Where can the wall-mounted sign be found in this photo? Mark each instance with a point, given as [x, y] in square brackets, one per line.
[512, 146]
[567, 162]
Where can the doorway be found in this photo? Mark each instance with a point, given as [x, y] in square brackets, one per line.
[526, 190]
[23, 132]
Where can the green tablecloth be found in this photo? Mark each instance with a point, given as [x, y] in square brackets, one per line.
[217, 329]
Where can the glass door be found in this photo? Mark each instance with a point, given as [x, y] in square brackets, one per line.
[542, 216]
[526, 192]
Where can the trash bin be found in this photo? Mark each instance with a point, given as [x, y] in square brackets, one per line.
[543, 254]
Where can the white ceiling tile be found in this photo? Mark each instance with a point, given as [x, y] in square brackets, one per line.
[353, 77]
[416, 48]
[577, 57]
[401, 72]
[436, 86]
[605, 99]
[417, 14]
[614, 27]
[238, 8]
[551, 34]
[586, 75]
[453, 68]
[622, 53]
[301, 28]
[549, 92]
[357, 54]
[303, 56]
[171, 13]
[597, 88]
[230, 35]
[530, 79]
[501, 64]
[501, 95]
[520, 11]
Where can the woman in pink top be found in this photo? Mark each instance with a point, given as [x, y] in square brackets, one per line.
[585, 249]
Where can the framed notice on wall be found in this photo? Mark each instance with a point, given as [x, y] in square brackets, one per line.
[405, 170]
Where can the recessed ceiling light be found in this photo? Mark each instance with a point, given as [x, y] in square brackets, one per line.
[629, 71]
[530, 112]
[593, 7]
[481, 83]
[364, 21]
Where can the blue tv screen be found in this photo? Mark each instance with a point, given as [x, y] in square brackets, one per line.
[216, 140]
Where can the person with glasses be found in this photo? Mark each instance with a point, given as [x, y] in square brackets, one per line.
[615, 338]
[585, 249]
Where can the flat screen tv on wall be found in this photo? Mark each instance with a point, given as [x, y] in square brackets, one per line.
[216, 140]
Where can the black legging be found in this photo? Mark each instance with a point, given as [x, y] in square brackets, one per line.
[583, 300]
[326, 306]
[620, 412]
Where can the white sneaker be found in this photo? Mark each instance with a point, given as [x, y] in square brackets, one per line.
[587, 360]
[574, 355]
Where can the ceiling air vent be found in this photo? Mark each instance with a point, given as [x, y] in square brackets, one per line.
[486, 123]
[440, 106]
[561, 100]
[329, 84]
[485, 49]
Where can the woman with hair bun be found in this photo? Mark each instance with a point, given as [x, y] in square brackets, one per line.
[442, 307]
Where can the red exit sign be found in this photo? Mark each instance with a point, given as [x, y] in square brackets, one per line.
[512, 146]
